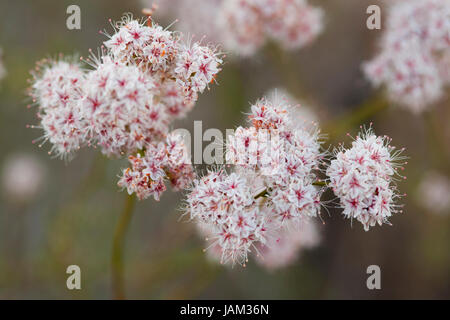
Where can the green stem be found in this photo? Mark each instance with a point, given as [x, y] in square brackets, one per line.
[357, 116]
[320, 183]
[117, 251]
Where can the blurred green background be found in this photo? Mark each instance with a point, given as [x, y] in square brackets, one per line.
[71, 219]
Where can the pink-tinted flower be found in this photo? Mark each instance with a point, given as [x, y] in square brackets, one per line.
[363, 178]
[118, 106]
[275, 163]
[414, 53]
[163, 161]
[247, 24]
[244, 26]
[57, 86]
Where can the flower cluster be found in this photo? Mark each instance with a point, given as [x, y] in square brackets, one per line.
[144, 78]
[434, 190]
[227, 205]
[275, 163]
[2, 67]
[291, 23]
[415, 53]
[147, 175]
[281, 154]
[363, 177]
[56, 89]
[243, 26]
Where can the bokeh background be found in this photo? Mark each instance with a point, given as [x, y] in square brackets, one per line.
[70, 217]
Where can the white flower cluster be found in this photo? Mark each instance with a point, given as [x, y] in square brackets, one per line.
[57, 88]
[415, 53]
[2, 67]
[363, 179]
[145, 78]
[162, 161]
[275, 186]
[275, 162]
[243, 26]
[249, 23]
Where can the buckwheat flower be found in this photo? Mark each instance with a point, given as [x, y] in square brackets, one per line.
[134, 40]
[293, 23]
[56, 87]
[172, 96]
[225, 203]
[2, 66]
[23, 176]
[275, 165]
[179, 167]
[247, 24]
[195, 17]
[119, 108]
[242, 25]
[166, 57]
[196, 67]
[282, 250]
[165, 161]
[146, 176]
[414, 51]
[433, 193]
[363, 178]
[283, 156]
[411, 76]
[296, 201]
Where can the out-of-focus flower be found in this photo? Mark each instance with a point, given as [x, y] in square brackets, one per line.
[434, 193]
[282, 251]
[275, 163]
[22, 177]
[363, 177]
[415, 49]
[243, 26]
[2, 66]
[249, 23]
